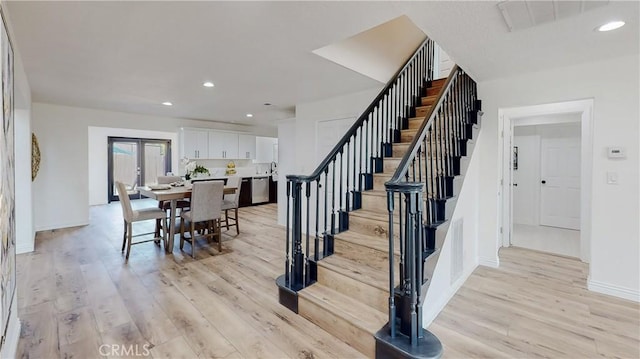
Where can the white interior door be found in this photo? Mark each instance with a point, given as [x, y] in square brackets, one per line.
[560, 183]
[526, 180]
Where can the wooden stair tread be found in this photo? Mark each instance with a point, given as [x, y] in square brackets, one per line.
[372, 215]
[373, 242]
[379, 193]
[358, 314]
[358, 271]
[373, 192]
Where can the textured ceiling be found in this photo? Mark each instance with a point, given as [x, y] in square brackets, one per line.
[131, 56]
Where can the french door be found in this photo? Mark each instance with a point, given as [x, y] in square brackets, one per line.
[136, 162]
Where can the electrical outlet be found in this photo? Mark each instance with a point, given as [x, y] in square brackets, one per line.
[612, 178]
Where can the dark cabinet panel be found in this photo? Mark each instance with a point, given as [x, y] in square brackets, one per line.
[245, 192]
[273, 190]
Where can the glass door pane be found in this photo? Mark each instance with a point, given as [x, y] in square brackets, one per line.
[136, 162]
[125, 166]
[155, 161]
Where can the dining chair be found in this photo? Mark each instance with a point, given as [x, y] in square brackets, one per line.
[165, 205]
[231, 202]
[130, 216]
[206, 209]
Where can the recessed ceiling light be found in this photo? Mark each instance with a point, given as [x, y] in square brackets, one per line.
[611, 26]
[208, 84]
[167, 103]
[249, 115]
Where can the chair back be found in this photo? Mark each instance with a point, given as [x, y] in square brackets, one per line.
[206, 200]
[123, 196]
[168, 179]
[233, 181]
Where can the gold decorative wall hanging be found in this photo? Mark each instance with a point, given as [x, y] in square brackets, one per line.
[35, 156]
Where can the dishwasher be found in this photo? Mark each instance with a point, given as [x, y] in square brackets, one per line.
[260, 190]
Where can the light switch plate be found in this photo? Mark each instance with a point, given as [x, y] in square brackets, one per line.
[612, 177]
[616, 152]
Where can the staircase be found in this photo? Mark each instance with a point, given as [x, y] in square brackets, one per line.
[350, 297]
[365, 229]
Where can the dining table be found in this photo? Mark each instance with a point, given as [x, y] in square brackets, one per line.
[172, 195]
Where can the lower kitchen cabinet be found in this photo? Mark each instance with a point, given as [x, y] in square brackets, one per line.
[273, 190]
[245, 192]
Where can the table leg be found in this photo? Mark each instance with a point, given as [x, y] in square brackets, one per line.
[172, 225]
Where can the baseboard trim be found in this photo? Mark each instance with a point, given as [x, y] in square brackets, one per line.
[489, 262]
[25, 248]
[10, 346]
[61, 226]
[430, 316]
[613, 290]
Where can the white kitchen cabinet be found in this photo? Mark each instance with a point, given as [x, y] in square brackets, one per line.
[194, 143]
[223, 145]
[265, 149]
[246, 147]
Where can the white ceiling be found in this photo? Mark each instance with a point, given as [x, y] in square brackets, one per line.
[131, 56]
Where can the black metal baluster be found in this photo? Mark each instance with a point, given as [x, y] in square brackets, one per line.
[392, 304]
[360, 186]
[316, 242]
[347, 195]
[287, 263]
[333, 197]
[306, 254]
[326, 210]
[297, 256]
[366, 146]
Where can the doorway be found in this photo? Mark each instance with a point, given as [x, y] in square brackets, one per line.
[136, 162]
[546, 185]
[509, 118]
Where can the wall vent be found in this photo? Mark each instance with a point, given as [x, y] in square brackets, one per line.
[457, 250]
[520, 14]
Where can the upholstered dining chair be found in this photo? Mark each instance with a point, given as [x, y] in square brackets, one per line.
[166, 206]
[231, 202]
[206, 208]
[131, 216]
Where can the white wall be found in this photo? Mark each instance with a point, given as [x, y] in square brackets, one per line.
[467, 209]
[309, 114]
[300, 147]
[64, 143]
[99, 156]
[25, 233]
[286, 163]
[613, 85]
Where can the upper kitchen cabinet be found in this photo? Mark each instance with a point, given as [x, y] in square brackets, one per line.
[223, 145]
[194, 143]
[246, 147]
[266, 149]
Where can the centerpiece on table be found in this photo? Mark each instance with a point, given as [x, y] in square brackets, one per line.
[193, 170]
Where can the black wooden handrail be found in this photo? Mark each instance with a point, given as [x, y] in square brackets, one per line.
[403, 167]
[358, 124]
[417, 196]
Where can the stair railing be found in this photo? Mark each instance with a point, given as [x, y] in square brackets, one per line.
[318, 205]
[416, 196]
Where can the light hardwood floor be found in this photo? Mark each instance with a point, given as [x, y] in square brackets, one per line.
[76, 293]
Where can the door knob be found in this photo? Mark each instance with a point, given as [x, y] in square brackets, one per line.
[515, 185]
[543, 181]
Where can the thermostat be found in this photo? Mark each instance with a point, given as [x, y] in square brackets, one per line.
[616, 152]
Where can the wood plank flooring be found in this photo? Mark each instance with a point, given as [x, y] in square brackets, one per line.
[76, 294]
